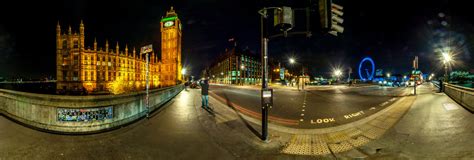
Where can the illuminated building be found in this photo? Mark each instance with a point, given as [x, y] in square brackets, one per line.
[171, 48]
[236, 66]
[81, 69]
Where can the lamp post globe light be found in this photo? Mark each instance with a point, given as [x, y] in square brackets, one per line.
[292, 60]
[337, 73]
[183, 72]
[447, 58]
[293, 76]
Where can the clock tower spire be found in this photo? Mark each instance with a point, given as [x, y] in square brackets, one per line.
[171, 48]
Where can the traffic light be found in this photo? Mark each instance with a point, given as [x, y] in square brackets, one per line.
[284, 18]
[330, 17]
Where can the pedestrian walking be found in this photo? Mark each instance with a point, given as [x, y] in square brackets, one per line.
[205, 93]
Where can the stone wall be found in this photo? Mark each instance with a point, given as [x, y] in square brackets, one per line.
[41, 110]
[462, 95]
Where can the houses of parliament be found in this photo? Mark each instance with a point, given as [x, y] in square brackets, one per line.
[94, 70]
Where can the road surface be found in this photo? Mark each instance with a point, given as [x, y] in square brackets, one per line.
[316, 107]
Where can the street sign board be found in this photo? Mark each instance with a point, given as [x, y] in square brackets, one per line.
[146, 49]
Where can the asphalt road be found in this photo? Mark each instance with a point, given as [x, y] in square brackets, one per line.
[316, 107]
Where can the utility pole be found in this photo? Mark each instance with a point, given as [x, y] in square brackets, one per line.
[302, 77]
[415, 67]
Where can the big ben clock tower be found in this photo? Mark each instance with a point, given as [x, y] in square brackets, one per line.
[171, 48]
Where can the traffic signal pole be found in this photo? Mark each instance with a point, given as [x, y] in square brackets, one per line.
[264, 55]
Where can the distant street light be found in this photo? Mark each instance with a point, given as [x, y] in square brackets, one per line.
[292, 60]
[242, 67]
[222, 77]
[388, 75]
[337, 73]
[183, 71]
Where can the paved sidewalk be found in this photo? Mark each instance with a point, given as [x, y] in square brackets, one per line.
[435, 127]
[180, 130]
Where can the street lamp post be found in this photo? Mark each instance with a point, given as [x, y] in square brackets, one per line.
[447, 58]
[337, 73]
[222, 77]
[302, 78]
[242, 67]
[183, 72]
[445, 71]
[298, 77]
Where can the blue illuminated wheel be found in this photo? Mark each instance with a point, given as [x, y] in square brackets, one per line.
[368, 75]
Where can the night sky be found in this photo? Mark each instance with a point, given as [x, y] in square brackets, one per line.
[391, 32]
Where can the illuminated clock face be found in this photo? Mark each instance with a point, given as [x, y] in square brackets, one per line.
[169, 23]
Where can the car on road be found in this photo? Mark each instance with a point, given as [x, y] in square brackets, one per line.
[194, 85]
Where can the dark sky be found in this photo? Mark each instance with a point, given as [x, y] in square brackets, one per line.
[391, 32]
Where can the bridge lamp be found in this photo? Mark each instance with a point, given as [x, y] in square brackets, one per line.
[337, 73]
[292, 60]
[447, 57]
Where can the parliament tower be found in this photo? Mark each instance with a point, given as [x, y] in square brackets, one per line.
[171, 49]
